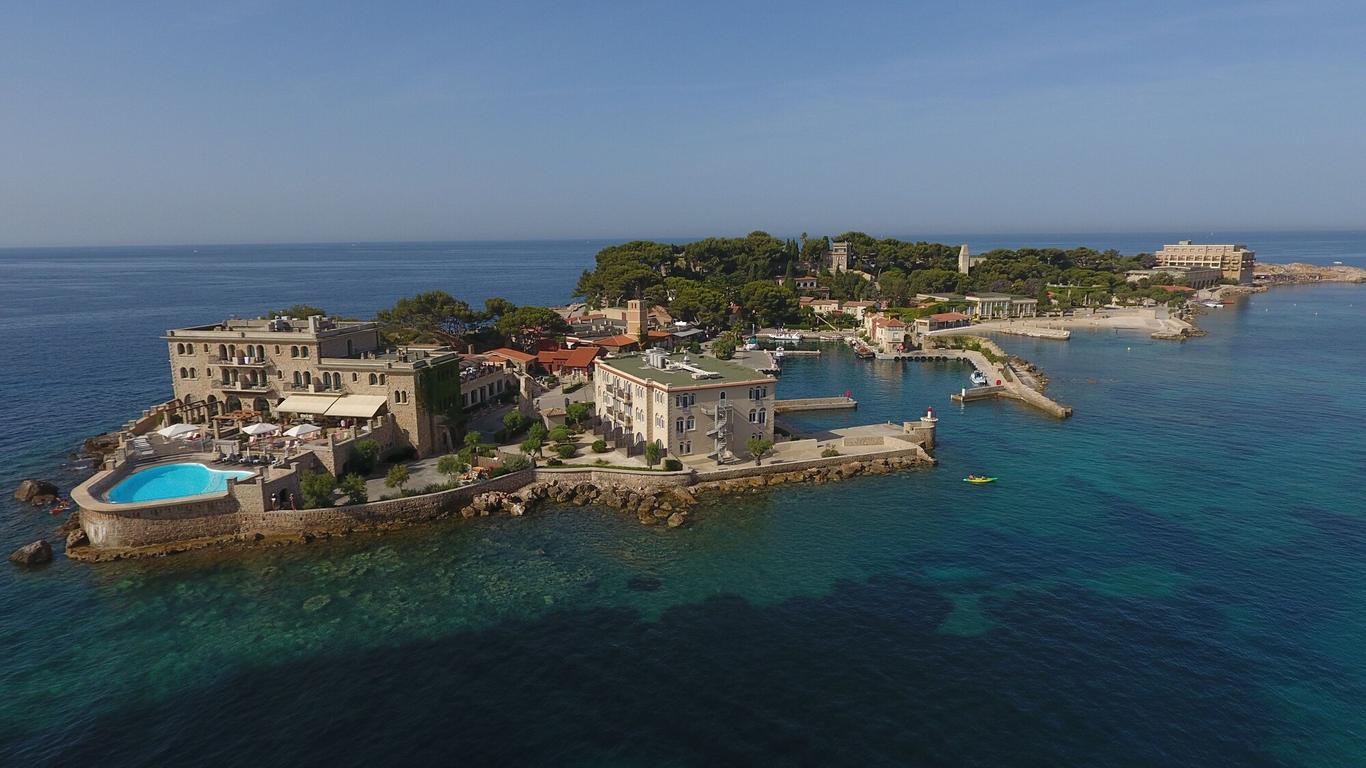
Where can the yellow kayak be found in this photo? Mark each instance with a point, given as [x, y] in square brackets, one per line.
[979, 480]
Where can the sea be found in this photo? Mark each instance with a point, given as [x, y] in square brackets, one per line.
[1175, 576]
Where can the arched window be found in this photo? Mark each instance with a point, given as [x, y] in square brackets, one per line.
[678, 425]
[260, 352]
[180, 349]
[303, 351]
[293, 351]
[297, 379]
[723, 395]
[184, 374]
[753, 416]
[222, 352]
[277, 349]
[692, 423]
[374, 379]
[383, 379]
[232, 351]
[763, 415]
[355, 376]
[193, 375]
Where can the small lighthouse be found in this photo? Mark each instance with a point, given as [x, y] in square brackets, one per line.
[924, 427]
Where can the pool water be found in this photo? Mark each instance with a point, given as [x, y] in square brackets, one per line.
[172, 481]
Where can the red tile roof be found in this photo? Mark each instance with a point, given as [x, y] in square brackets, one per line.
[946, 316]
[621, 340]
[510, 354]
[660, 334]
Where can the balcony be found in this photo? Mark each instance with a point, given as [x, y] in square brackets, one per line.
[260, 388]
[242, 362]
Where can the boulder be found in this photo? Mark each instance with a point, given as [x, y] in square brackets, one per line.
[73, 523]
[32, 554]
[76, 538]
[677, 519]
[36, 492]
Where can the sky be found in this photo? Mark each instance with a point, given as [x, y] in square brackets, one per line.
[258, 121]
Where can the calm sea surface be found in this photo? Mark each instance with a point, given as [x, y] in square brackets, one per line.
[1172, 577]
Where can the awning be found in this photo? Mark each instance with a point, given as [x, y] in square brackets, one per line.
[307, 403]
[357, 406]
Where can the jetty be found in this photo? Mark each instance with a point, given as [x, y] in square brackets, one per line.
[1010, 382]
[815, 404]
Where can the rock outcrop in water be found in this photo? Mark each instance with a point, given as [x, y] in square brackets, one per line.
[37, 553]
[667, 505]
[37, 492]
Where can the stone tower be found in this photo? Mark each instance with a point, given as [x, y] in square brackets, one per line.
[637, 318]
[964, 259]
[839, 257]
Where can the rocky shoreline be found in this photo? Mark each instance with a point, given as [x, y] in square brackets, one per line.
[666, 506]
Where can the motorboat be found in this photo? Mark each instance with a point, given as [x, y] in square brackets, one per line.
[786, 336]
[978, 378]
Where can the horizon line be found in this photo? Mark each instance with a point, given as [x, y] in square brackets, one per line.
[927, 237]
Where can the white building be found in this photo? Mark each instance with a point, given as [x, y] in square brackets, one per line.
[689, 406]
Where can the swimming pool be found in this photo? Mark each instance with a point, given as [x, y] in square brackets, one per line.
[172, 481]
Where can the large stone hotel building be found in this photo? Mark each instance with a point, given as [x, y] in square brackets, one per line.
[1235, 261]
[315, 367]
[689, 406]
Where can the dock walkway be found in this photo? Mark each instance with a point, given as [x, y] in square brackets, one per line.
[1011, 385]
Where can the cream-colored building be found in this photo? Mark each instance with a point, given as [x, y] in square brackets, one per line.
[997, 306]
[689, 406]
[317, 368]
[1195, 277]
[888, 333]
[1235, 261]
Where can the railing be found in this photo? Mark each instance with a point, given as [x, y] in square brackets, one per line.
[241, 386]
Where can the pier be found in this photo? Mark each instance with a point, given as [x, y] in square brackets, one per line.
[815, 404]
[1011, 384]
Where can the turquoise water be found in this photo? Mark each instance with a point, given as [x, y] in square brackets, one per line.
[172, 481]
[1171, 577]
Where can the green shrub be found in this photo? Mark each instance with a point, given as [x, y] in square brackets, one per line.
[353, 485]
[672, 465]
[600, 446]
[451, 465]
[316, 488]
[561, 434]
[829, 453]
[567, 451]
[515, 463]
[364, 456]
[497, 472]
[554, 463]
[397, 477]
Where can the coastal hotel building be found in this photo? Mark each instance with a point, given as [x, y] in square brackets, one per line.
[324, 370]
[1235, 261]
[688, 406]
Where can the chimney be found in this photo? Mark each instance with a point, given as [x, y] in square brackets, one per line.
[312, 323]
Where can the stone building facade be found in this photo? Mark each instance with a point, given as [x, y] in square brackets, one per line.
[687, 406]
[1235, 261]
[316, 367]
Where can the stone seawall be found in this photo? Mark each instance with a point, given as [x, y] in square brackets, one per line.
[653, 497]
[179, 527]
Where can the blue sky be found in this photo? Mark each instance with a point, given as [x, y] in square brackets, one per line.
[255, 121]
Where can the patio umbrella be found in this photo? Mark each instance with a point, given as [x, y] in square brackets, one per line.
[256, 430]
[302, 430]
[177, 430]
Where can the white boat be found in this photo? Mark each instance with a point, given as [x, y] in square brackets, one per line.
[978, 378]
[1212, 304]
[778, 353]
[793, 336]
[1337, 263]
